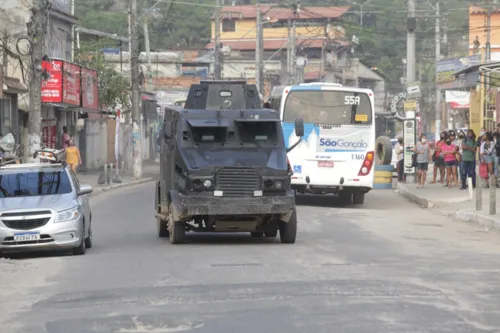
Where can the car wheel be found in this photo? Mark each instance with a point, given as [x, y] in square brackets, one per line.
[88, 240]
[271, 234]
[177, 229]
[288, 230]
[80, 249]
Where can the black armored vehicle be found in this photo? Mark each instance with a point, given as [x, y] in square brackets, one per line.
[224, 166]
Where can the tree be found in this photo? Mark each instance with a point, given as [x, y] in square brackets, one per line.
[114, 88]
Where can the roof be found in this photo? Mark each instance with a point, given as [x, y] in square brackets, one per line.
[247, 45]
[476, 10]
[31, 165]
[277, 13]
[13, 85]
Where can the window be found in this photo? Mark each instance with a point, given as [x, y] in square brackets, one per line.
[260, 131]
[34, 183]
[209, 134]
[6, 115]
[328, 107]
[228, 25]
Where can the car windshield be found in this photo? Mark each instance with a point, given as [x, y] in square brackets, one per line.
[34, 183]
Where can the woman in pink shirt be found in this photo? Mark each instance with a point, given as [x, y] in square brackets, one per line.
[450, 160]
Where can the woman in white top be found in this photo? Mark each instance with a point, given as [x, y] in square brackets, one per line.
[486, 152]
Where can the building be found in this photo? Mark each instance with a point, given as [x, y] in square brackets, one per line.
[14, 15]
[478, 31]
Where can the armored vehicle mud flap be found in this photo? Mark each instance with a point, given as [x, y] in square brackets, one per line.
[187, 206]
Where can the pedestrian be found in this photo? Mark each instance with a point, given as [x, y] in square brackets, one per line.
[438, 158]
[65, 138]
[486, 153]
[469, 148]
[461, 165]
[449, 150]
[73, 157]
[399, 150]
[496, 155]
[423, 157]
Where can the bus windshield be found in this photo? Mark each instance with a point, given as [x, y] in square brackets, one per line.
[328, 107]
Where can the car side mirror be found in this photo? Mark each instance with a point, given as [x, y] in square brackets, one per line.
[299, 127]
[167, 130]
[85, 189]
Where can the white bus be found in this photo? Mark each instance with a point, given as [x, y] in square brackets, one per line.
[337, 153]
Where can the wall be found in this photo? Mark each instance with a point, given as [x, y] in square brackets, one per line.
[247, 29]
[477, 27]
[59, 39]
[96, 137]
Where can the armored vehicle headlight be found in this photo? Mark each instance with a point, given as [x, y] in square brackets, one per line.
[207, 183]
[278, 184]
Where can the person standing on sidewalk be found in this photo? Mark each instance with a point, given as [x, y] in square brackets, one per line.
[450, 159]
[439, 159]
[469, 147]
[496, 155]
[423, 156]
[73, 156]
[399, 150]
[486, 154]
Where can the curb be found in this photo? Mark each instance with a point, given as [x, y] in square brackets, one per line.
[100, 190]
[486, 221]
[425, 203]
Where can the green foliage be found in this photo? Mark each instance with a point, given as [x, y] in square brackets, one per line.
[114, 88]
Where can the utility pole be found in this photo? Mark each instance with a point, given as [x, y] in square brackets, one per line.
[148, 53]
[136, 114]
[259, 70]
[438, 58]
[37, 28]
[410, 42]
[128, 115]
[293, 57]
[289, 54]
[217, 55]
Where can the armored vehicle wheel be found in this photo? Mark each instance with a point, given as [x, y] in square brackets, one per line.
[288, 231]
[177, 229]
[162, 228]
[271, 234]
[257, 234]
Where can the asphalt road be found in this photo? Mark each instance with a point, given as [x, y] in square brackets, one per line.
[386, 267]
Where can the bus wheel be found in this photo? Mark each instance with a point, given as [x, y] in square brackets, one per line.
[359, 198]
[345, 197]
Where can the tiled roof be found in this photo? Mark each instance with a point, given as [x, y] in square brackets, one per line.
[246, 45]
[250, 12]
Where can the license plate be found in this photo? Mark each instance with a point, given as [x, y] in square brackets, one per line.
[325, 164]
[26, 237]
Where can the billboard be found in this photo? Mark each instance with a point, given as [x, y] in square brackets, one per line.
[71, 84]
[52, 85]
[447, 68]
[89, 89]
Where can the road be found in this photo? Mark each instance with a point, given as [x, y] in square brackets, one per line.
[386, 267]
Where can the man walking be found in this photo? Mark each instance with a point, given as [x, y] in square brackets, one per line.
[469, 147]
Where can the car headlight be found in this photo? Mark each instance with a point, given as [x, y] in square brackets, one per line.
[207, 183]
[68, 214]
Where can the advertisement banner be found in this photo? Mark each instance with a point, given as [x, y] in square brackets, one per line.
[89, 89]
[409, 143]
[49, 133]
[71, 84]
[52, 86]
[447, 68]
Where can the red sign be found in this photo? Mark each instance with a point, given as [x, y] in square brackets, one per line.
[52, 87]
[89, 89]
[71, 84]
[49, 133]
[325, 164]
[455, 105]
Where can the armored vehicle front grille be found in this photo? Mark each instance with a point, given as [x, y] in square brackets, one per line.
[237, 182]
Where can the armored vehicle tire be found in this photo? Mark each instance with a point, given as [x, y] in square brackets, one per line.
[358, 198]
[288, 231]
[271, 234]
[162, 228]
[257, 234]
[177, 229]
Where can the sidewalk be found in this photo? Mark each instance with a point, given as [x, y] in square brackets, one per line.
[457, 204]
[150, 171]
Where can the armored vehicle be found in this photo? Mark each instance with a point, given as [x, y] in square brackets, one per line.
[224, 166]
